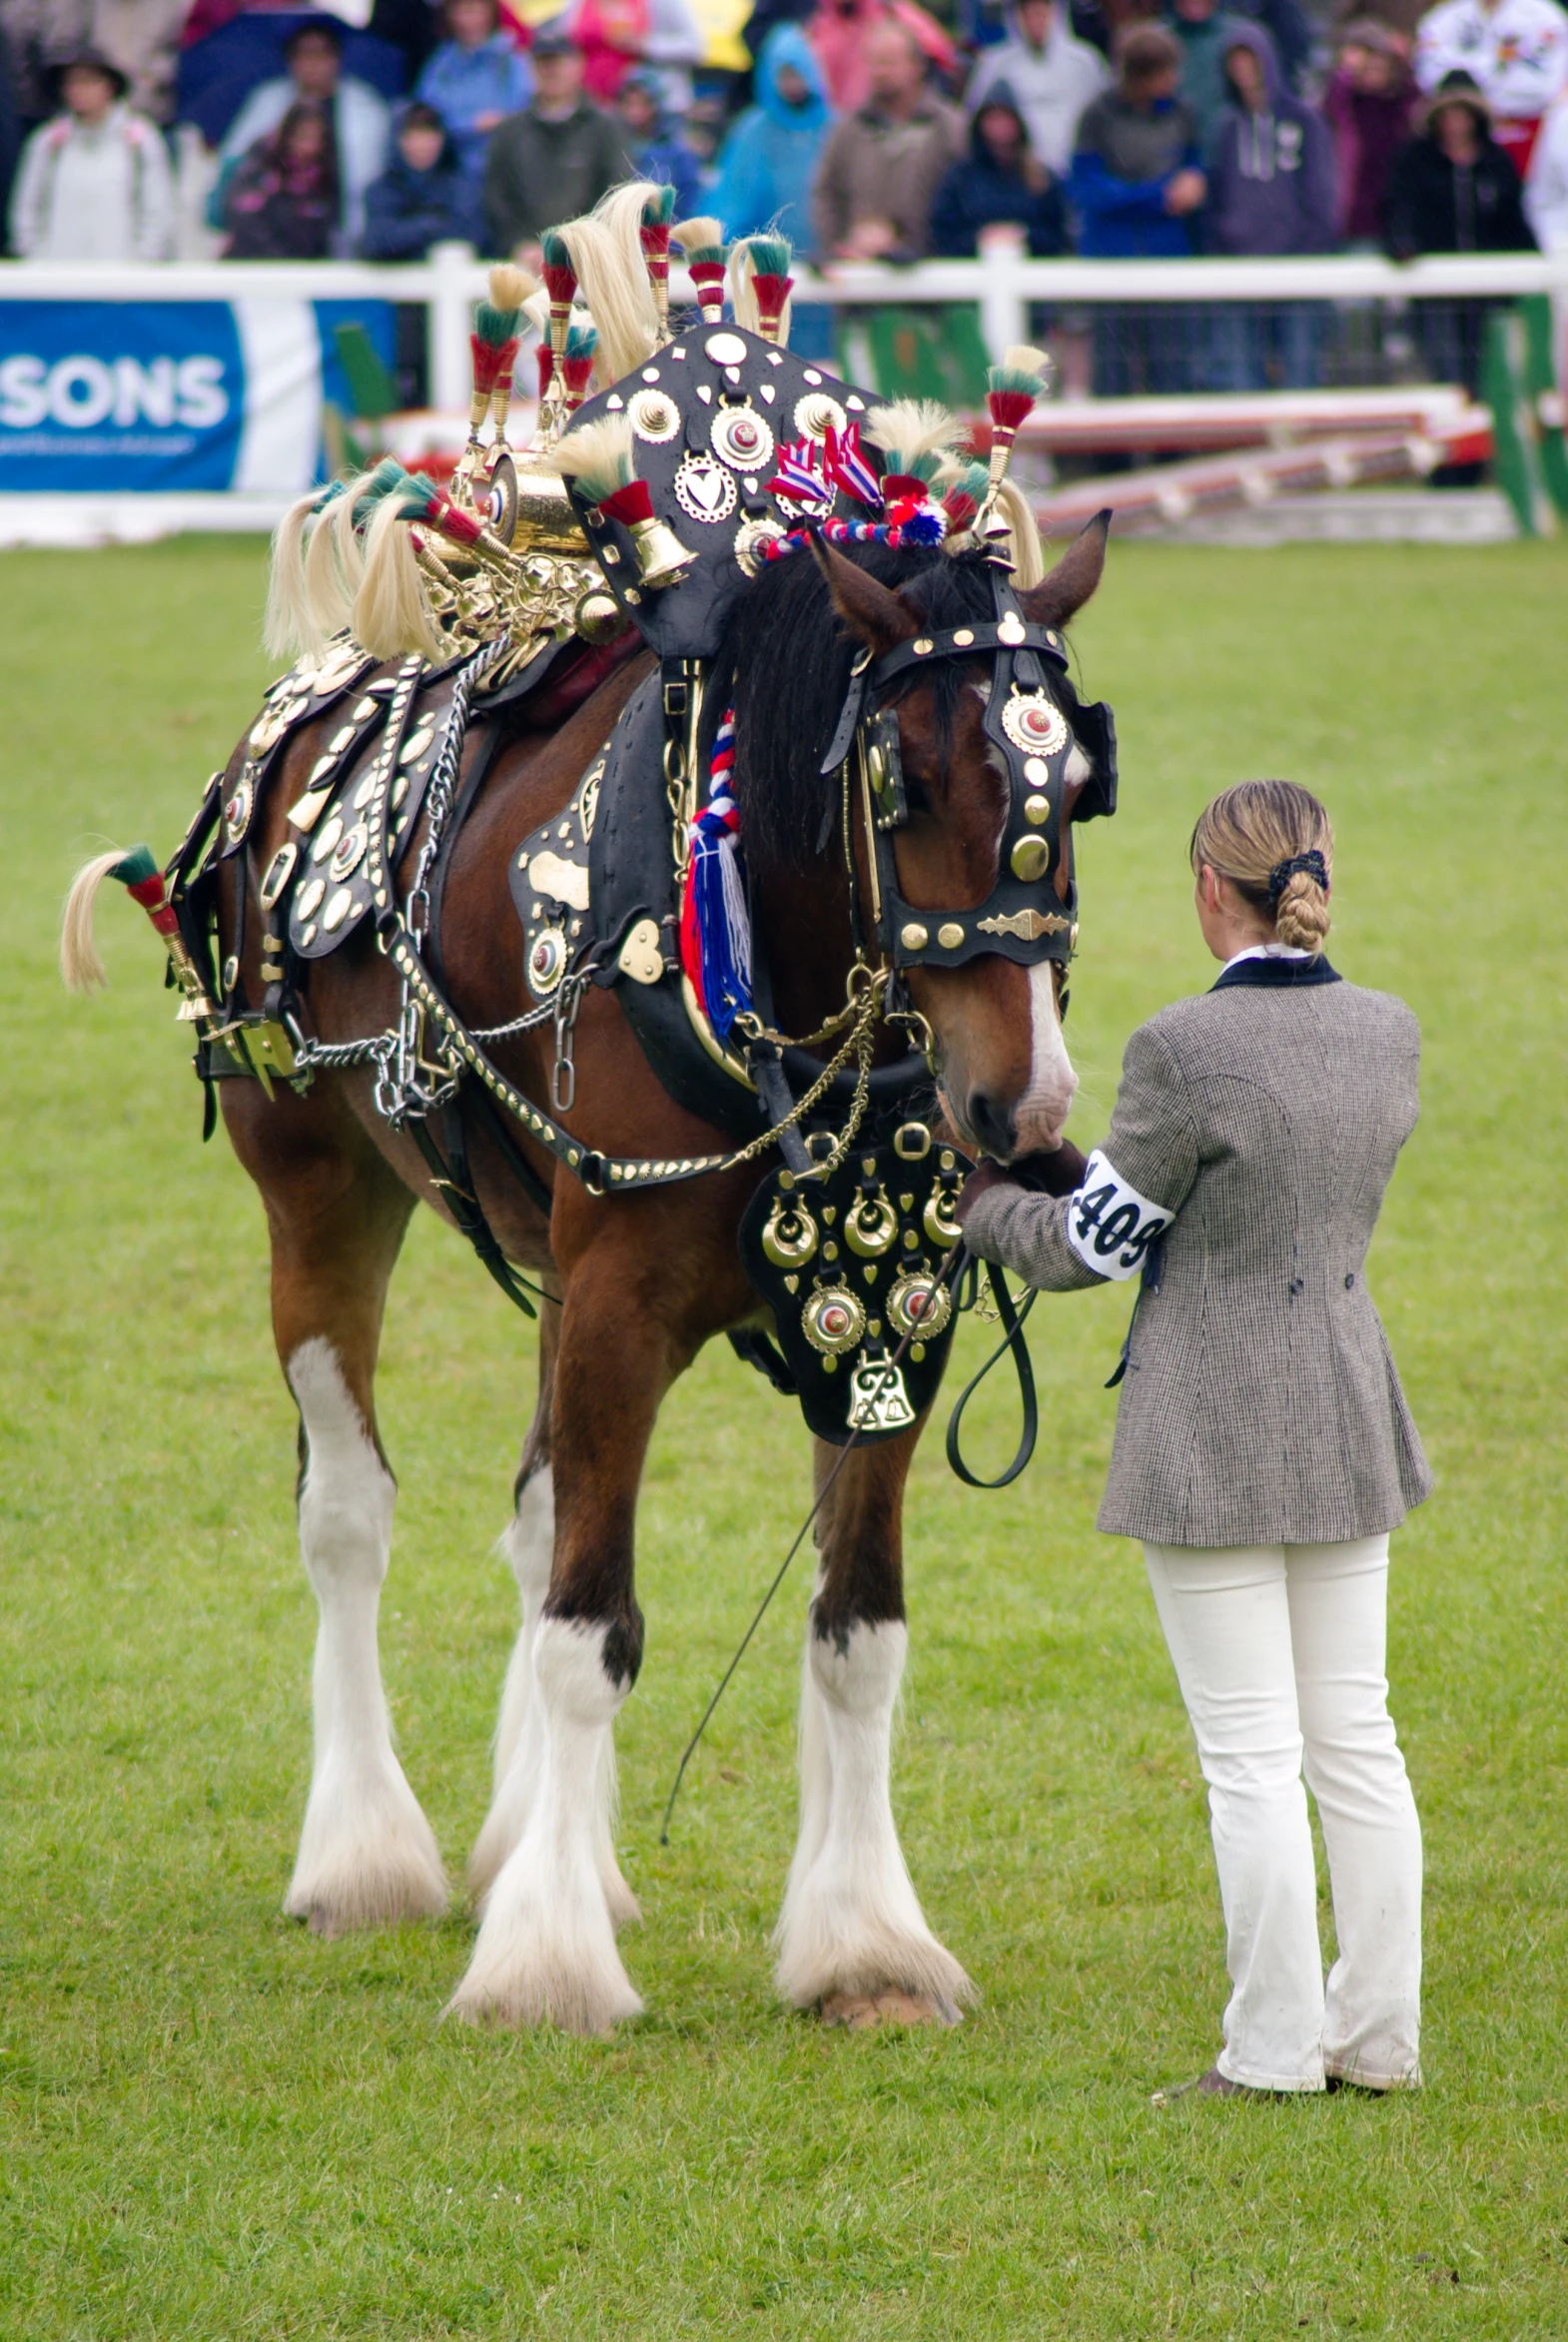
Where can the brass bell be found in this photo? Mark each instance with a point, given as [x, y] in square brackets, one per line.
[790, 1237]
[937, 1218]
[871, 1226]
[598, 616]
[661, 557]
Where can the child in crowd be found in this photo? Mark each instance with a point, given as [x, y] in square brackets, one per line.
[474, 79]
[282, 200]
[424, 197]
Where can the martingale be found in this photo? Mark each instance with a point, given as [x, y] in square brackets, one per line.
[633, 521]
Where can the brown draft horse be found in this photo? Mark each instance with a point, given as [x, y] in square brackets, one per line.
[639, 1282]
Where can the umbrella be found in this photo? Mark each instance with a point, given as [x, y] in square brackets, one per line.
[219, 72]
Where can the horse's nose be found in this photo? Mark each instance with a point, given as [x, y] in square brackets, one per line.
[991, 1124]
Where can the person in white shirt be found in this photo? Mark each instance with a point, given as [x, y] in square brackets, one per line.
[360, 118]
[94, 184]
[1546, 187]
[1516, 51]
[1052, 75]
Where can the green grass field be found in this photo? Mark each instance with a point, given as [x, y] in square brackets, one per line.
[213, 2125]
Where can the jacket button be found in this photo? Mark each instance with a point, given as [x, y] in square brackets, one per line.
[1348, 1282]
[1297, 1285]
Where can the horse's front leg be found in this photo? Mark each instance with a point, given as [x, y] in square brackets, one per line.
[852, 1939]
[546, 1945]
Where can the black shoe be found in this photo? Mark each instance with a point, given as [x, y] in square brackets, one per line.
[1215, 2085]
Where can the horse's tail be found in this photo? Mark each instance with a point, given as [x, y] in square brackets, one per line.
[80, 964]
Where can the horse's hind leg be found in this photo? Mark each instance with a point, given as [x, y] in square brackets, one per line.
[852, 1937]
[530, 1546]
[546, 1946]
[367, 1853]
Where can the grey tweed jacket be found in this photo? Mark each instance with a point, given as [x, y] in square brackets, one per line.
[1261, 1404]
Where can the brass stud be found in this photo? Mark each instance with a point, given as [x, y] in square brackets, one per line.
[1031, 858]
[924, 646]
[950, 935]
[1037, 810]
[914, 938]
[963, 637]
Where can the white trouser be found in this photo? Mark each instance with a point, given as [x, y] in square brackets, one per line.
[1280, 1651]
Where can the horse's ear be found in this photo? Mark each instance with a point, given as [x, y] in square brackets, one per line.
[1068, 587]
[870, 610]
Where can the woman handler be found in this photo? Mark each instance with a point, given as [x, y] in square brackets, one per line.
[1263, 1449]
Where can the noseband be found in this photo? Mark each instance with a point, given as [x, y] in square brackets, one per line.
[1025, 918]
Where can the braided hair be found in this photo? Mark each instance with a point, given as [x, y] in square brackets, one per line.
[1272, 840]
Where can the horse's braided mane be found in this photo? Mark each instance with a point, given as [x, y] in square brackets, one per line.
[785, 663]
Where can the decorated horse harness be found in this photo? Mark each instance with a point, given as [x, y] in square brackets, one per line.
[721, 450]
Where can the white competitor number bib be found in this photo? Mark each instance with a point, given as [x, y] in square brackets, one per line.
[1109, 1226]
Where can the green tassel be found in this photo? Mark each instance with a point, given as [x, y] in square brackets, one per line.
[581, 340]
[770, 255]
[553, 246]
[494, 325]
[1012, 377]
[134, 868]
[659, 210]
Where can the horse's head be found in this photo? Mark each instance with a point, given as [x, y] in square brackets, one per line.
[1002, 1061]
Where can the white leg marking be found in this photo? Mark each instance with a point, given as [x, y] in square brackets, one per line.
[1042, 1109]
[529, 1545]
[852, 1922]
[546, 1949]
[367, 1853]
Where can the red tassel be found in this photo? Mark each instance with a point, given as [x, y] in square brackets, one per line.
[629, 503]
[547, 357]
[1008, 409]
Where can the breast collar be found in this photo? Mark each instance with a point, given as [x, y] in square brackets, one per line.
[1024, 917]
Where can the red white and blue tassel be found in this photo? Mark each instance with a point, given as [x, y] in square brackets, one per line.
[715, 924]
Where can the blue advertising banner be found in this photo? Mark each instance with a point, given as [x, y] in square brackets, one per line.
[123, 398]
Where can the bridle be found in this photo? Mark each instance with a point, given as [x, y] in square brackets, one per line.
[1027, 917]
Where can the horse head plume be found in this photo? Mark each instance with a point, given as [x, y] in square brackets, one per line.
[760, 283]
[702, 241]
[605, 251]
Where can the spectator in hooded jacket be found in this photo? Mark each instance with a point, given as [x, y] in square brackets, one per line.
[1201, 31]
[1369, 106]
[474, 79]
[1051, 78]
[1000, 179]
[1453, 188]
[94, 184]
[1138, 190]
[766, 166]
[1515, 51]
[1270, 192]
[359, 116]
[424, 197]
[651, 143]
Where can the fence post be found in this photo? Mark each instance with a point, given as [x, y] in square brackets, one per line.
[1004, 312]
[447, 328]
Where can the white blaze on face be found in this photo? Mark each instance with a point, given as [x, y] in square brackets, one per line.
[1042, 1109]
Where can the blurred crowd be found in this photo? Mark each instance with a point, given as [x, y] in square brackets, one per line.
[864, 130]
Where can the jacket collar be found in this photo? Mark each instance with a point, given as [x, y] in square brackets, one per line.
[1276, 975]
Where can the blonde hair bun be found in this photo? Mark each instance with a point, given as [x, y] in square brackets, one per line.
[1272, 840]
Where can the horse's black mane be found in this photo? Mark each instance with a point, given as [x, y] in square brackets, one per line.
[785, 662]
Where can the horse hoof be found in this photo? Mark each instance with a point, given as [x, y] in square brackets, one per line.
[859, 2012]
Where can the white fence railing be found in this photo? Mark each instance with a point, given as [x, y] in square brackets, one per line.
[1003, 284]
